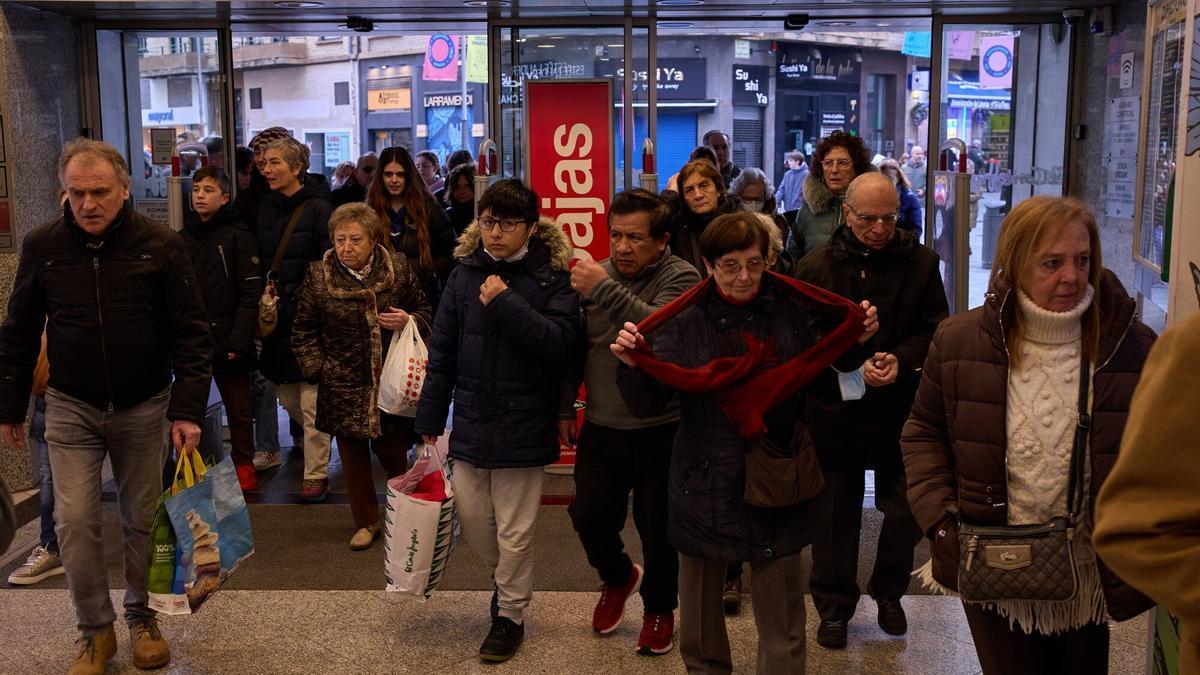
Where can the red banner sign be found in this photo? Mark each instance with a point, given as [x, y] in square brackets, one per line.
[569, 163]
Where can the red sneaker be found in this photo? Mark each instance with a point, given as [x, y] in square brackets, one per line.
[611, 607]
[246, 477]
[657, 634]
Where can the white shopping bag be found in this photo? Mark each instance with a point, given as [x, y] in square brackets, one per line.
[420, 525]
[403, 372]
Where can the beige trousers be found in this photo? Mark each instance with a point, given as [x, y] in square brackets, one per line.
[299, 399]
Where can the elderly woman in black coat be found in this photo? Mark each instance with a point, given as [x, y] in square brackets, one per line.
[713, 518]
[351, 302]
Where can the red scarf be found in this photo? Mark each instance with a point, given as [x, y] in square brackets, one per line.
[752, 383]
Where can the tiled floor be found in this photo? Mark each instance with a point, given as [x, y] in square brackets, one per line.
[268, 632]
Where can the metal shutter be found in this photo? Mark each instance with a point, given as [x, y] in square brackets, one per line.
[676, 138]
[747, 148]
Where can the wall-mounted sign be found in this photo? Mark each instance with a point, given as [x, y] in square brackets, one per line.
[442, 100]
[751, 85]
[511, 82]
[389, 99]
[1120, 155]
[806, 63]
[477, 51]
[162, 145]
[741, 49]
[678, 79]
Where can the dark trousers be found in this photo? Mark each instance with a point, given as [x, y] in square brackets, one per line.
[609, 465]
[392, 450]
[838, 518]
[235, 394]
[1010, 651]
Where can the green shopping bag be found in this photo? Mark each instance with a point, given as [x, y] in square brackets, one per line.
[165, 576]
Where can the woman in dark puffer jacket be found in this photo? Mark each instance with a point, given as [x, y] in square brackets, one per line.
[700, 199]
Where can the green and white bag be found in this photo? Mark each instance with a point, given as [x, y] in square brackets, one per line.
[420, 525]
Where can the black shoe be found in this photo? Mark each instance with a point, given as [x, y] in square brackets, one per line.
[502, 641]
[832, 634]
[891, 617]
[733, 597]
[494, 608]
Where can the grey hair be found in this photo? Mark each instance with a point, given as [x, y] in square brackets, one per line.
[97, 149]
[748, 176]
[292, 151]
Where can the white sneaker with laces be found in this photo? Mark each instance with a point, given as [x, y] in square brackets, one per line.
[41, 564]
[266, 459]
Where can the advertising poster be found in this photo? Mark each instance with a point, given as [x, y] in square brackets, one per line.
[441, 58]
[445, 126]
[996, 61]
[569, 162]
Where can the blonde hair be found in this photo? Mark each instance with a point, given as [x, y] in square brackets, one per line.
[98, 150]
[358, 213]
[774, 237]
[1023, 236]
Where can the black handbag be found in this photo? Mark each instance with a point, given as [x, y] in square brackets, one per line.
[1029, 562]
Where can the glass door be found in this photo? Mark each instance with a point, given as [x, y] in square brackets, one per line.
[1001, 95]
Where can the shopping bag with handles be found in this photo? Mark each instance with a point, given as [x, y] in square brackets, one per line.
[403, 372]
[420, 526]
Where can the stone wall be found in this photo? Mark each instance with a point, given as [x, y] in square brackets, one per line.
[39, 59]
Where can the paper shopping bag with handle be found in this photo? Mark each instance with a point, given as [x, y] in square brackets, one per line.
[420, 526]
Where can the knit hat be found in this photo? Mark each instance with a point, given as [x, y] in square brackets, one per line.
[260, 140]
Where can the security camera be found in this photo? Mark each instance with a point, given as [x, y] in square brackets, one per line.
[1074, 17]
[795, 21]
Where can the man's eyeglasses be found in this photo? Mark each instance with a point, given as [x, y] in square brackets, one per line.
[869, 220]
[508, 225]
[839, 163]
[733, 267]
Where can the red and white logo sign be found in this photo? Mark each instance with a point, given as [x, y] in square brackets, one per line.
[569, 163]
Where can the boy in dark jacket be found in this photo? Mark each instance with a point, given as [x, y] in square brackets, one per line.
[225, 256]
[504, 329]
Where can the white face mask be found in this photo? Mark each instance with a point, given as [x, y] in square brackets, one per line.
[753, 205]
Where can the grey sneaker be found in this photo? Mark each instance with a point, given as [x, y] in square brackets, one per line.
[41, 564]
[266, 459]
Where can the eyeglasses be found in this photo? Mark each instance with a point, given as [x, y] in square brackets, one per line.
[870, 220]
[839, 163]
[733, 267]
[509, 225]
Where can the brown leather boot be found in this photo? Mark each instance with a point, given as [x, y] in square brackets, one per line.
[149, 648]
[94, 653]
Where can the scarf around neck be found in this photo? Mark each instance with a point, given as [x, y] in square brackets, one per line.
[750, 384]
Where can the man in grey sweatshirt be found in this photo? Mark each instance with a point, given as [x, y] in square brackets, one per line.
[618, 453]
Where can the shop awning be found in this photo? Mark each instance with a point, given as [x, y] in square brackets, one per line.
[969, 95]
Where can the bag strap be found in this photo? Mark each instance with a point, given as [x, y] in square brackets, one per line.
[283, 242]
[1083, 427]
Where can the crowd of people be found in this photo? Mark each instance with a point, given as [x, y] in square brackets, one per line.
[747, 354]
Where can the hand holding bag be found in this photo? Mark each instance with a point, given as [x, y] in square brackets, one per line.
[403, 371]
[268, 304]
[1029, 562]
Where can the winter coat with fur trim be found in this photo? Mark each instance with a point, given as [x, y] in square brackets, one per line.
[503, 362]
[820, 215]
[338, 340]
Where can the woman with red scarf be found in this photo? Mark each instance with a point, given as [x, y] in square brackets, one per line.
[737, 349]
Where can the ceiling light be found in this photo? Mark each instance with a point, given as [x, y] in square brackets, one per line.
[544, 46]
[616, 46]
[298, 4]
[676, 3]
[835, 24]
[487, 3]
[675, 24]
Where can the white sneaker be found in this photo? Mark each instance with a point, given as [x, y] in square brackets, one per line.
[41, 564]
[266, 459]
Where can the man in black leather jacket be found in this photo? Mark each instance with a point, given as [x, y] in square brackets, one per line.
[123, 318]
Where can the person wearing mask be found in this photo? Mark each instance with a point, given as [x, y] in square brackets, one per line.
[351, 303]
[618, 453]
[1148, 511]
[839, 158]
[709, 521]
[719, 142]
[127, 382]
[870, 257]
[417, 225]
[990, 439]
[914, 171]
[428, 164]
[304, 197]
[753, 192]
[355, 188]
[701, 152]
[500, 343]
[702, 199]
[45, 560]
[790, 195]
[459, 197]
[224, 255]
[910, 207]
[455, 160]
